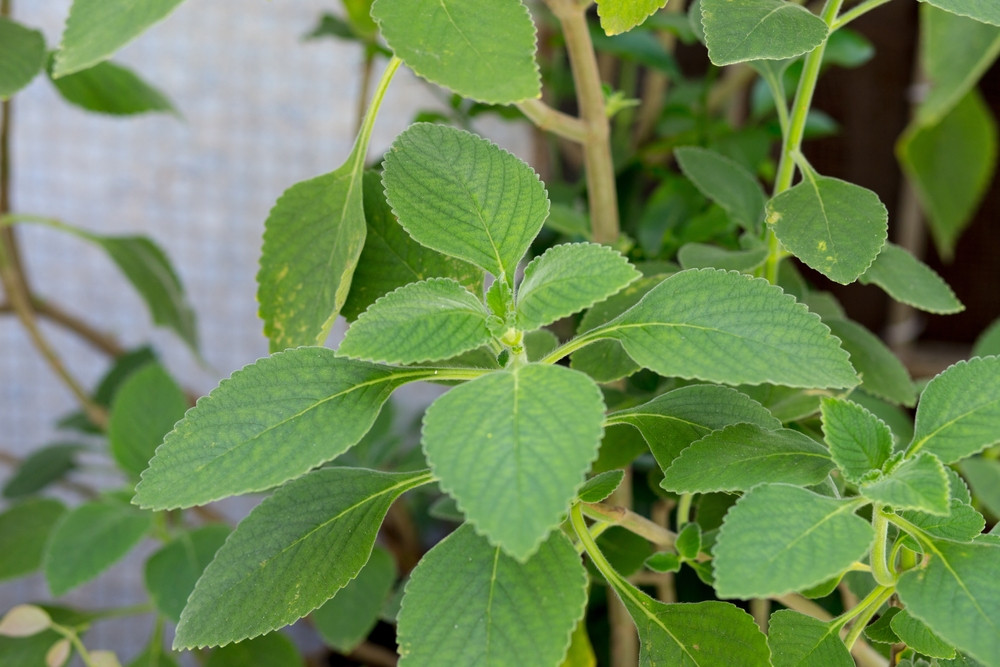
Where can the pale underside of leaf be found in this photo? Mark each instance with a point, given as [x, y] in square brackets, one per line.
[741, 30]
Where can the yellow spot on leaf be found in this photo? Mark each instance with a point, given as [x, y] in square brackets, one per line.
[821, 246]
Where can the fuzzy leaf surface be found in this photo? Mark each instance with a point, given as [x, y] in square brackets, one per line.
[706, 255]
[24, 531]
[797, 640]
[742, 456]
[111, 89]
[426, 321]
[96, 29]
[600, 486]
[469, 603]
[271, 421]
[882, 373]
[741, 30]
[959, 410]
[984, 477]
[673, 420]
[918, 483]
[859, 441]
[346, 619]
[908, 280]
[957, 594]
[520, 423]
[567, 279]
[276, 566]
[271, 649]
[835, 227]
[726, 182]
[919, 637]
[963, 523]
[983, 11]
[172, 571]
[618, 16]
[22, 56]
[464, 196]
[728, 327]
[779, 538]
[145, 409]
[483, 49]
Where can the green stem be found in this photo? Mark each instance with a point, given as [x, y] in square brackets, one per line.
[684, 510]
[636, 523]
[365, 134]
[860, 10]
[869, 607]
[552, 120]
[572, 345]
[590, 546]
[881, 569]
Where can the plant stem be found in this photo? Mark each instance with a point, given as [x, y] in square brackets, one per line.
[684, 509]
[861, 9]
[600, 173]
[631, 521]
[868, 608]
[552, 120]
[881, 569]
[97, 339]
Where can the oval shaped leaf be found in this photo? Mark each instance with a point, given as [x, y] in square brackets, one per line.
[797, 640]
[835, 227]
[111, 89]
[346, 619]
[859, 441]
[983, 11]
[24, 531]
[919, 637]
[882, 373]
[291, 554]
[741, 30]
[726, 182]
[918, 483]
[144, 409]
[271, 421]
[908, 280]
[22, 56]
[618, 16]
[728, 327]
[483, 49]
[464, 196]
[512, 448]
[426, 321]
[469, 603]
[172, 572]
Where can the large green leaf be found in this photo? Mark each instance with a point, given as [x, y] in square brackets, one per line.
[111, 89]
[271, 421]
[90, 539]
[567, 279]
[41, 468]
[951, 165]
[779, 538]
[172, 571]
[426, 321]
[312, 241]
[483, 49]
[469, 603]
[988, 342]
[985, 11]
[919, 637]
[145, 408]
[95, 29]
[672, 421]
[882, 373]
[859, 441]
[391, 259]
[706, 255]
[726, 182]
[797, 640]
[22, 56]
[346, 619]
[291, 554]
[464, 196]
[835, 227]
[959, 410]
[983, 475]
[24, 531]
[512, 448]
[741, 456]
[957, 593]
[963, 523]
[918, 483]
[741, 30]
[728, 327]
[908, 280]
[618, 16]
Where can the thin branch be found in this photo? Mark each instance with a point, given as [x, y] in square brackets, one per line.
[552, 120]
[636, 523]
[372, 654]
[99, 340]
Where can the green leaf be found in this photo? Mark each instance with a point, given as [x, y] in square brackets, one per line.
[525, 421]
[24, 530]
[618, 16]
[984, 477]
[568, 279]
[145, 409]
[464, 196]
[957, 594]
[664, 562]
[346, 619]
[988, 342]
[951, 166]
[688, 543]
[919, 637]
[111, 89]
[918, 483]
[835, 227]
[41, 468]
[90, 539]
[728, 327]
[726, 182]
[313, 238]
[882, 373]
[779, 538]
[271, 421]
[391, 259]
[741, 30]
[984, 11]
[705, 255]
[797, 640]
[154, 655]
[427, 321]
[908, 280]
[273, 649]
[959, 410]
[741, 456]
[469, 603]
[483, 49]
[785, 403]
[22, 56]
[172, 571]
[291, 554]
[600, 486]
[881, 631]
[96, 29]
[963, 523]
[859, 441]
[672, 421]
